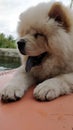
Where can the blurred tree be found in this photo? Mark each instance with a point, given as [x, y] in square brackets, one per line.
[10, 38]
[71, 3]
[7, 42]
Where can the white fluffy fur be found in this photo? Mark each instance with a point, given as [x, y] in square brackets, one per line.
[59, 65]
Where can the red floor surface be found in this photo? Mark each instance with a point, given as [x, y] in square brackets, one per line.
[29, 114]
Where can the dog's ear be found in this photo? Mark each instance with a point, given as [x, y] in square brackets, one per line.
[59, 13]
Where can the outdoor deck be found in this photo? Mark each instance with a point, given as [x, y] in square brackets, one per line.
[29, 114]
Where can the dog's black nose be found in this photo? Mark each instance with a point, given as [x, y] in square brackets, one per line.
[21, 46]
[21, 42]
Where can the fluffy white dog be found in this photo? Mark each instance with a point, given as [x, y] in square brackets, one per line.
[46, 47]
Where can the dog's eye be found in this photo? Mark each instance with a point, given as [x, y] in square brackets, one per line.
[36, 35]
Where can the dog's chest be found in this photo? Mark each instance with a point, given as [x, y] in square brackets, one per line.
[39, 73]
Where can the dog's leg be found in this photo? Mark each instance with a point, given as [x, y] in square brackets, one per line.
[16, 88]
[54, 87]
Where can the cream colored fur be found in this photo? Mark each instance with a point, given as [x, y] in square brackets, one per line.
[55, 74]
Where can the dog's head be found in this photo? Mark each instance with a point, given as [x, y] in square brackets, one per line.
[44, 32]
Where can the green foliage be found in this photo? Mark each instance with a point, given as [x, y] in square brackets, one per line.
[71, 3]
[7, 42]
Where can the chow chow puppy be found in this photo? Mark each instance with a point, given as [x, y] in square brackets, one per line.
[46, 47]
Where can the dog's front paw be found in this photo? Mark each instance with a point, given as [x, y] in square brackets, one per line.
[11, 93]
[45, 92]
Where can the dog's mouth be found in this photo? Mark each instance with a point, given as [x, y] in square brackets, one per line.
[33, 61]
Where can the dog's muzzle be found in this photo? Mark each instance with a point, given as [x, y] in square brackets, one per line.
[32, 61]
[21, 46]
